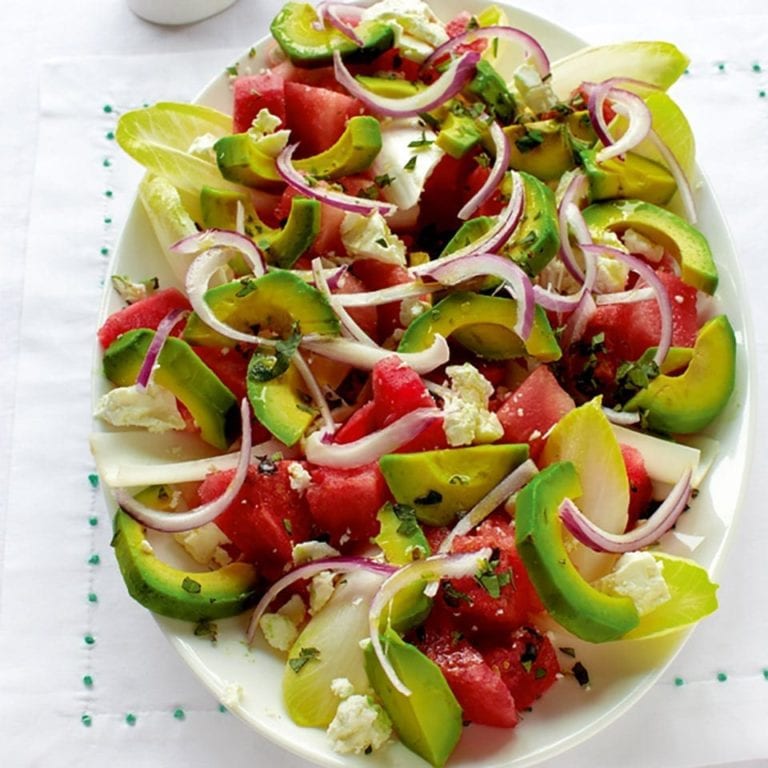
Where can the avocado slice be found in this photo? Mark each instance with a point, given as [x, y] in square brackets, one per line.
[458, 134]
[428, 721]
[690, 401]
[306, 46]
[684, 242]
[536, 239]
[353, 152]
[633, 177]
[489, 87]
[484, 325]
[168, 591]
[282, 405]
[580, 608]
[241, 161]
[541, 148]
[440, 485]
[212, 404]
[275, 302]
[580, 128]
[402, 541]
[390, 87]
[283, 246]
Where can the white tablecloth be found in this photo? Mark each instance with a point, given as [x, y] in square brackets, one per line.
[86, 678]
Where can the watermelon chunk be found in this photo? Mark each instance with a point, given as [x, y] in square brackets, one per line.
[527, 663]
[343, 503]
[397, 390]
[146, 313]
[533, 408]
[317, 116]
[266, 519]
[640, 485]
[252, 93]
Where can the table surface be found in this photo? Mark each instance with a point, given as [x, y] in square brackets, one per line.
[86, 678]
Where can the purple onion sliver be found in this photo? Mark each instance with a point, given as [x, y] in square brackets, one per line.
[661, 521]
[434, 95]
[333, 12]
[682, 181]
[499, 168]
[530, 45]
[166, 325]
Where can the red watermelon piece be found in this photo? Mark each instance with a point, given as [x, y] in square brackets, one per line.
[252, 93]
[146, 313]
[533, 409]
[640, 485]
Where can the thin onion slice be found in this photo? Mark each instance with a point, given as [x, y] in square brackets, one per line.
[569, 219]
[621, 418]
[578, 321]
[307, 571]
[625, 103]
[445, 87]
[662, 520]
[430, 569]
[682, 181]
[223, 238]
[506, 223]
[351, 328]
[174, 522]
[341, 200]
[371, 447]
[164, 329]
[519, 284]
[198, 276]
[625, 297]
[649, 276]
[365, 357]
[334, 14]
[315, 391]
[387, 295]
[498, 169]
[531, 47]
[512, 483]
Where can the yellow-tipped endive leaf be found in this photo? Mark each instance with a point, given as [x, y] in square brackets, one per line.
[655, 62]
[584, 436]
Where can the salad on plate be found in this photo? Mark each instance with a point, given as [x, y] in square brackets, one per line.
[423, 390]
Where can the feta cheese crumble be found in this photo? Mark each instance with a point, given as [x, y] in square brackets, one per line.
[370, 237]
[637, 575]
[416, 28]
[206, 545]
[154, 408]
[359, 726]
[467, 419]
[535, 93]
[282, 627]
[265, 135]
[299, 478]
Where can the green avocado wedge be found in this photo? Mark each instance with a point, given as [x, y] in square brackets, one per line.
[276, 302]
[428, 721]
[484, 325]
[307, 46]
[168, 591]
[688, 402]
[580, 608]
[684, 242]
[212, 404]
[440, 485]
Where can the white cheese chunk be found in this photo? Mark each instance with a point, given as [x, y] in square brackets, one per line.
[205, 545]
[154, 408]
[360, 725]
[370, 237]
[467, 418]
[637, 575]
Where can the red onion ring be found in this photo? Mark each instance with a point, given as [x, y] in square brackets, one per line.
[578, 321]
[341, 200]
[198, 276]
[166, 325]
[683, 184]
[371, 447]
[332, 13]
[662, 520]
[365, 357]
[348, 324]
[445, 87]
[307, 571]
[569, 216]
[224, 238]
[499, 168]
[648, 275]
[174, 522]
[624, 103]
[516, 281]
[531, 47]
[506, 223]
[621, 418]
[429, 569]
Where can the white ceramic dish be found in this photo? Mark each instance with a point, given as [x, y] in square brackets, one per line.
[620, 672]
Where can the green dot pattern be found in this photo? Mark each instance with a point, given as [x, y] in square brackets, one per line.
[86, 720]
[179, 713]
[88, 681]
[93, 479]
[679, 681]
[89, 640]
[94, 560]
[722, 677]
[130, 719]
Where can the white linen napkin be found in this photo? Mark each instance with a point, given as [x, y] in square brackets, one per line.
[86, 677]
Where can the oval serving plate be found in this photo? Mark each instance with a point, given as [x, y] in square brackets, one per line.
[620, 672]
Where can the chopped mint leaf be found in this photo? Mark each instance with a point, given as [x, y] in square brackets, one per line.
[297, 663]
[411, 164]
[191, 586]
[265, 367]
[430, 497]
